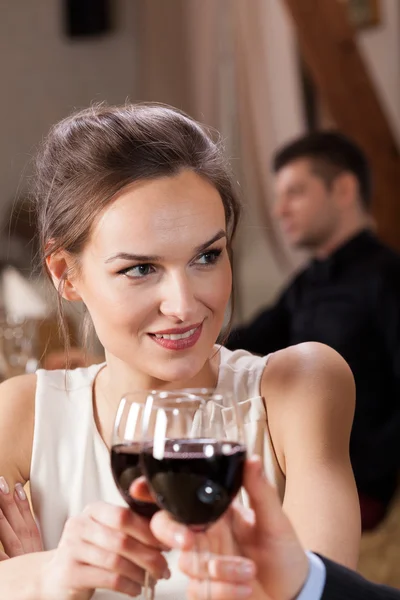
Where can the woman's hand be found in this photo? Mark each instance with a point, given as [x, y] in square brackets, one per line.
[19, 533]
[256, 553]
[104, 547]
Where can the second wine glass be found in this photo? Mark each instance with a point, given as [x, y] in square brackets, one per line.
[126, 465]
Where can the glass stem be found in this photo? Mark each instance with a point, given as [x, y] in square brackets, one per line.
[149, 586]
[203, 558]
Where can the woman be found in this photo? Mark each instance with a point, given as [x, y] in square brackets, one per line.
[137, 214]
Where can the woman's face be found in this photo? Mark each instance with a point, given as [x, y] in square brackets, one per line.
[156, 277]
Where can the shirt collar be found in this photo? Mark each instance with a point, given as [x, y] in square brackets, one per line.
[351, 249]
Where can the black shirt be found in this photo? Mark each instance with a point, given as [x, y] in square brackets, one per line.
[351, 302]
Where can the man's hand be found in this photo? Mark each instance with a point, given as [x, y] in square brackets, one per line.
[254, 552]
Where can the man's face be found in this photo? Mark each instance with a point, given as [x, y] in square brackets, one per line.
[305, 207]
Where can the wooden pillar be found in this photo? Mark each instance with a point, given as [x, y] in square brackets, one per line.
[328, 44]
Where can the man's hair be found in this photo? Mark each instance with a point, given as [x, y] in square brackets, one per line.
[331, 153]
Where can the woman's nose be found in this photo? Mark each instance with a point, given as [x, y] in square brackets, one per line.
[178, 299]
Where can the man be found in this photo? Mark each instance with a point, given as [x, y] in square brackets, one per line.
[258, 556]
[348, 297]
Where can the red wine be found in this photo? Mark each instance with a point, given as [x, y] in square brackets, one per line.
[196, 480]
[125, 465]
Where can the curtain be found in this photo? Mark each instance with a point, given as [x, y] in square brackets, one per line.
[209, 58]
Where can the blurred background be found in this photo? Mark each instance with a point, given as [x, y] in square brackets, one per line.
[234, 65]
[259, 71]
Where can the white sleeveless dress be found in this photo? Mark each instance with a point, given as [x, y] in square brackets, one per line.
[70, 465]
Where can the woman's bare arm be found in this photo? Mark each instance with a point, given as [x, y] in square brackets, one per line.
[18, 531]
[310, 397]
[17, 413]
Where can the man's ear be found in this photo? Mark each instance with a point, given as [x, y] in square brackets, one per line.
[346, 189]
[59, 265]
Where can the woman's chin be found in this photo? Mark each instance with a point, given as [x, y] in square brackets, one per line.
[180, 378]
[180, 374]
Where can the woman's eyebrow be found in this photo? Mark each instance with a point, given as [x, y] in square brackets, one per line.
[221, 234]
[144, 258]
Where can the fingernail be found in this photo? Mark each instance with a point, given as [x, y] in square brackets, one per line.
[20, 491]
[247, 514]
[4, 486]
[179, 536]
[166, 574]
[227, 568]
[256, 460]
[243, 591]
[245, 570]
[242, 570]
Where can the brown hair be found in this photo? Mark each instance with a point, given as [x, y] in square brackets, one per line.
[90, 156]
[331, 153]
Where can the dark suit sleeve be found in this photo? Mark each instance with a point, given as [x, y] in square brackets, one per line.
[267, 333]
[387, 311]
[343, 584]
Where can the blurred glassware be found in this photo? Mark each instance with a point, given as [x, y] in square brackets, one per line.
[18, 346]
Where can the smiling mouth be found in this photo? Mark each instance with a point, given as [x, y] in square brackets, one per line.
[176, 336]
[178, 341]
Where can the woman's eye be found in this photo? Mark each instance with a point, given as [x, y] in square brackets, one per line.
[209, 258]
[138, 271]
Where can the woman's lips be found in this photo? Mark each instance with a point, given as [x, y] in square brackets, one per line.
[178, 341]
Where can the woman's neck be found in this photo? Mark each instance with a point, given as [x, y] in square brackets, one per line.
[118, 378]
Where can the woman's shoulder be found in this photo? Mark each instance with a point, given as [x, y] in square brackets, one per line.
[304, 361]
[67, 380]
[309, 377]
[17, 393]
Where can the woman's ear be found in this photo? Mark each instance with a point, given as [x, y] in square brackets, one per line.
[59, 266]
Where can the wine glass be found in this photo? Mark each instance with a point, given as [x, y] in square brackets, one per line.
[125, 455]
[193, 454]
[18, 346]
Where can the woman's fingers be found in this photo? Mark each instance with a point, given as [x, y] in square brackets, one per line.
[122, 544]
[9, 505]
[123, 519]
[115, 542]
[95, 556]
[81, 580]
[93, 577]
[24, 507]
[89, 577]
[10, 542]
